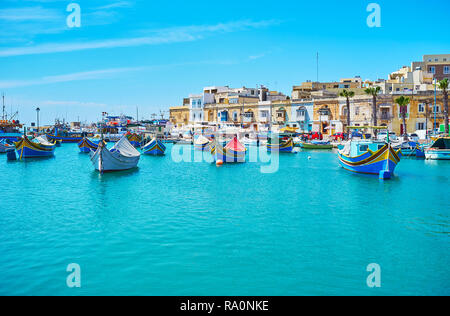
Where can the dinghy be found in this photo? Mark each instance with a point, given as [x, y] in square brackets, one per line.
[234, 151]
[201, 143]
[316, 145]
[154, 147]
[37, 148]
[123, 156]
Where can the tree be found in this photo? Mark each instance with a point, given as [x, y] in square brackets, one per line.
[348, 95]
[374, 91]
[443, 85]
[403, 103]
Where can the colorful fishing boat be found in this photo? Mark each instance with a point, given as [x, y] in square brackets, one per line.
[134, 139]
[201, 143]
[86, 145]
[280, 144]
[440, 150]
[323, 145]
[370, 157]
[123, 156]
[37, 148]
[154, 147]
[232, 152]
[408, 148]
[69, 138]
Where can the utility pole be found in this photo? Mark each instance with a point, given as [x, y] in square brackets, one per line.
[317, 66]
[137, 114]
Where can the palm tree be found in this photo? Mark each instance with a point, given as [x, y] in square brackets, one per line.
[348, 95]
[443, 85]
[403, 103]
[374, 91]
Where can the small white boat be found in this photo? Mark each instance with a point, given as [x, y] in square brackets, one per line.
[123, 156]
[440, 150]
[4, 146]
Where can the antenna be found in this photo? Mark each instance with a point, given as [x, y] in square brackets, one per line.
[317, 66]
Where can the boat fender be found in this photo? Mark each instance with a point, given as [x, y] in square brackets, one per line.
[219, 163]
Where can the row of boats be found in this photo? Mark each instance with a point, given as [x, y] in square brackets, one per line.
[366, 156]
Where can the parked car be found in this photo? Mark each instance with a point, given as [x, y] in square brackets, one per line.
[315, 136]
[338, 136]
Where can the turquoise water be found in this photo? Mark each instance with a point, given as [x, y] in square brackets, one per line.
[194, 229]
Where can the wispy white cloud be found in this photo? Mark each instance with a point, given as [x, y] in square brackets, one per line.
[116, 5]
[29, 14]
[71, 103]
[154, 37]
[101, 74]
[79, 76]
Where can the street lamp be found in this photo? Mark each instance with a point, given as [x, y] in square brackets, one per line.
[37, 116]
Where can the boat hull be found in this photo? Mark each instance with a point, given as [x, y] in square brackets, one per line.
[4, 148]
[437, 154]
[227, 155]
[27, 149]
[105, 161]
[282, 147]
[382, 162]
[154, 148]
[64, 140]
[316, 146]
[87, 145]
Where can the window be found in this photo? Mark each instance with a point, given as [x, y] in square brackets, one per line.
[437, 109]
[446, 70]
[280, 114]
[432, 70]
[421, 107]
[420, 126]
[357, 111]
[363, 148]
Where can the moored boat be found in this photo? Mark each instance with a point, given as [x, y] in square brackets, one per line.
[201, 143]
[282, 144]
[86, 145]
[317, 145]
[34, 149]
[134, 139]
[70, 138]
[370, 157]
[123, 156]
[440, 150]
[154, 147]
[233, 151]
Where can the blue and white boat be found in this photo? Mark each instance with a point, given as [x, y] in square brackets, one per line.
[86, 145]
[155, 147]
[5, 145]
[370, 157]
[38, 148]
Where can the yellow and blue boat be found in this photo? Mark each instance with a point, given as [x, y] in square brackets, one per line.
[232, 152]
[86, 145]
[154, 147]
[201, 143]
[370, 157]
[283, 145]
[34, 149]
[134, 139]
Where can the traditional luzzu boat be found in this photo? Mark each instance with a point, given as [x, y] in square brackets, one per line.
[134, 139]
[316, 145]
[283, 145]
[87, 145]
[370, 157]
[123, 156]
[232, 152]
[440, 150]
[201, 143]
[154, 147]
[69, 138]
[408, 148]
[4, 146]
[37, 148]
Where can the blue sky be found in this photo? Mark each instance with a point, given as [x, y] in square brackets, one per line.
[151, 54]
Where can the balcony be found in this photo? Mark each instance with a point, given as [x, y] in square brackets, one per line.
[385, 116]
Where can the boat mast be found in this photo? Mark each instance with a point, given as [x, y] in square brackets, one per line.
[3, 113]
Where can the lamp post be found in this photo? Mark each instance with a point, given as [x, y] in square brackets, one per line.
[37, 118]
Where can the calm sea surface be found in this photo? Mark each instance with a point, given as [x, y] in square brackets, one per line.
[184, 228]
